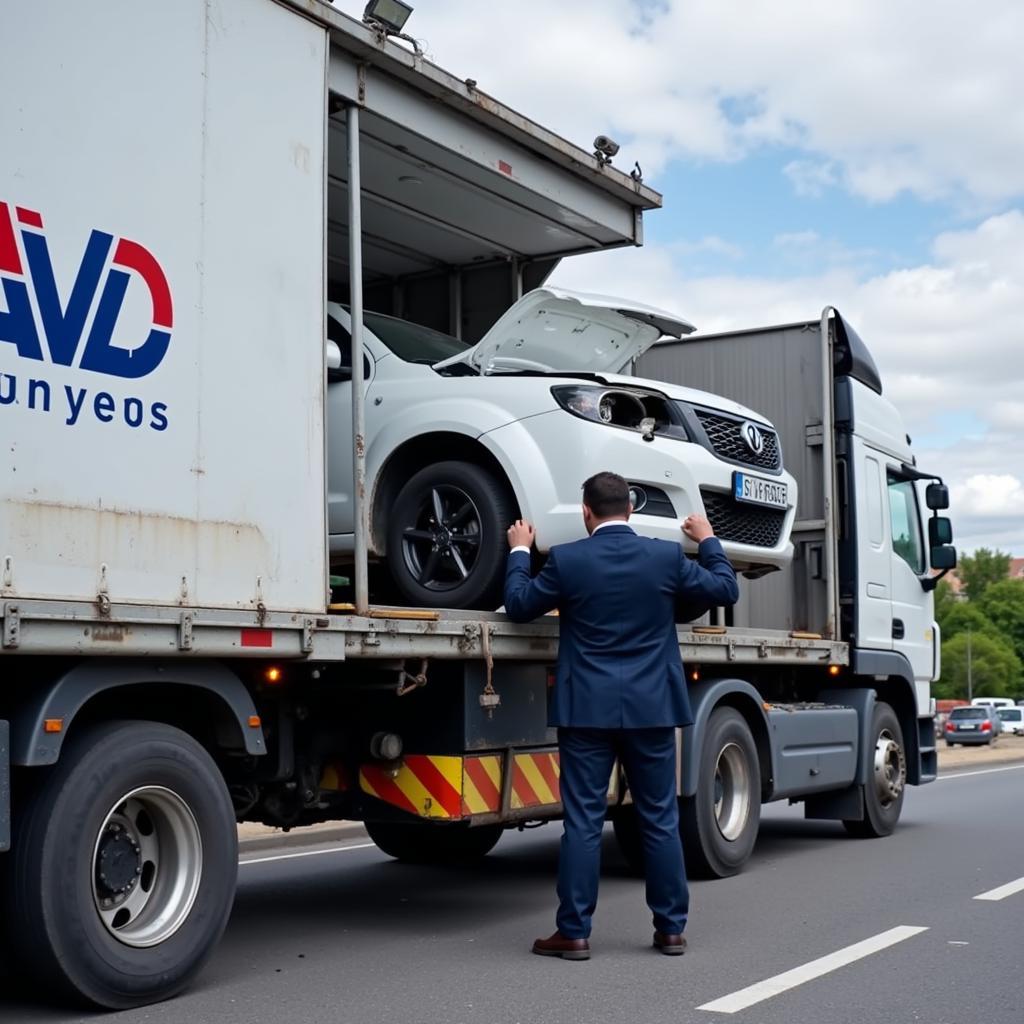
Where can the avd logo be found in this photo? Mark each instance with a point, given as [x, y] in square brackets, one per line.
[58, 333]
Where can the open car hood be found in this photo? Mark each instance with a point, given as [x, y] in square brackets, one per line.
[552, 329]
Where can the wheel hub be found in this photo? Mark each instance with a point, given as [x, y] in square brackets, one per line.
[442, 545]
[118, 863]
[733, 792]
[147, 866]
[890, 768]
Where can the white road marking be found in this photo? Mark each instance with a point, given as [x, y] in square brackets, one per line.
[982, 771]
[808, 972]
[1003, 891]
[305, 853]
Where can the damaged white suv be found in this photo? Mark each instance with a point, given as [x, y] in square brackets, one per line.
[461, 440]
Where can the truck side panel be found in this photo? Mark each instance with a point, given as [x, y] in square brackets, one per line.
[161, 249]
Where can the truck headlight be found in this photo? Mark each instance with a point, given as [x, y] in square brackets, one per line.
[629, 408]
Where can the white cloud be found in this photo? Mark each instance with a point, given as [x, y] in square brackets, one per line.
[920, 96]
[989, 494]
[799, 239]
[810, 177]
[947, 336]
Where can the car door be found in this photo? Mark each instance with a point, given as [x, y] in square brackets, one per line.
[911, 605]
[340, 509]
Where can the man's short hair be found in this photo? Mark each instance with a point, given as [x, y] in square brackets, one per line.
[606, 494]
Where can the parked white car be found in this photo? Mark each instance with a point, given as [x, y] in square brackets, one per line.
[462, 439]
[1012, 719]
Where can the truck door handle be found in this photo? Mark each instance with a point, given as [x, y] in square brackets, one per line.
[897, 629]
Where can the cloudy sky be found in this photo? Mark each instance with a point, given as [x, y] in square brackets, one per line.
[865, 154]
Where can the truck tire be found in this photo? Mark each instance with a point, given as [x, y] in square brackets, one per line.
[446, 537]
[416, 843]
[719, 824]
[883, 795]
[125, 863]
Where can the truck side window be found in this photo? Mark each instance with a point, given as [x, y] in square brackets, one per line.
[906, 523]
[873, 485]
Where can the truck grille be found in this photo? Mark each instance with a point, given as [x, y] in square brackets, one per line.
[728, 443]
[743, 524]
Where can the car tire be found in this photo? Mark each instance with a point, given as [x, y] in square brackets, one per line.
[446, 537]
[424, 843]
[719, 823]
[886, 787]
[125, 864]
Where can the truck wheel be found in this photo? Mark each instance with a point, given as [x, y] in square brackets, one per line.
[719, 824]
[417, 843]
[883, 795]
[446, 537]
[125, 863]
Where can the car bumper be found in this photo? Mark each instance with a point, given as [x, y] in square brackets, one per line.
[978, 738]
[547, 458]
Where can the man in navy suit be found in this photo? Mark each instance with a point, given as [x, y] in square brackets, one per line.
[620, 692]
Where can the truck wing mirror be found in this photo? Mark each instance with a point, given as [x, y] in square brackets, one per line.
[943, 558]
[940, 532]
[936, 497]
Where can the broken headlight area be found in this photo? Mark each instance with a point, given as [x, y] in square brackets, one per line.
[645, 412]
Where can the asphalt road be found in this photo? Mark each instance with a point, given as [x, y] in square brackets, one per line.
[349, 936]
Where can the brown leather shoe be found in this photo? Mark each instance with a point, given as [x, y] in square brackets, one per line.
[559, 945]
[670, 945]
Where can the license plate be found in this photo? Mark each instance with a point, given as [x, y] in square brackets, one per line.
[966, 727]
[755, 490]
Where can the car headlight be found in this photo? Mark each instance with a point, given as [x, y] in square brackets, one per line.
[628, 408]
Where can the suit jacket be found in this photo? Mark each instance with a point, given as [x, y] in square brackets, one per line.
[619, 665]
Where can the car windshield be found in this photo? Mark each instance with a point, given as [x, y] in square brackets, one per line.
[968, 713]
[1011, 715]
[413, 343]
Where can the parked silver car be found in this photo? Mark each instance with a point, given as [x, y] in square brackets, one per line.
[977, 724]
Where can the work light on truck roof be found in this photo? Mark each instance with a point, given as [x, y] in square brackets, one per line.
[389, 14]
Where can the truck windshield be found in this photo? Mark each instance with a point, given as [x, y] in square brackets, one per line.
[411, 342]
[1010, 714]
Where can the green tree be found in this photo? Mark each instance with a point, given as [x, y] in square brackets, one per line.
[980, 570]
[945, 600]
[996, 671]
[961, 616]
[1003, 605]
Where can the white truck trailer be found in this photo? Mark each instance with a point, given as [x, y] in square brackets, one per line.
[180, 199]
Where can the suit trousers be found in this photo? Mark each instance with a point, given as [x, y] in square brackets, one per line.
[649, 758]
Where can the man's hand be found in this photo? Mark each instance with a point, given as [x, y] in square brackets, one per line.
[520, 534]
[697, 528]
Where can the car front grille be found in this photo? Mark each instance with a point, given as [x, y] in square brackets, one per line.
[727, 441]
[743, 524]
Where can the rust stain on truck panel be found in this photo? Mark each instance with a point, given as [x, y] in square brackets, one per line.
[126, 539]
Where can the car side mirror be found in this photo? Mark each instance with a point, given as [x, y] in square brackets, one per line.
[936, 497]
[940, 532]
